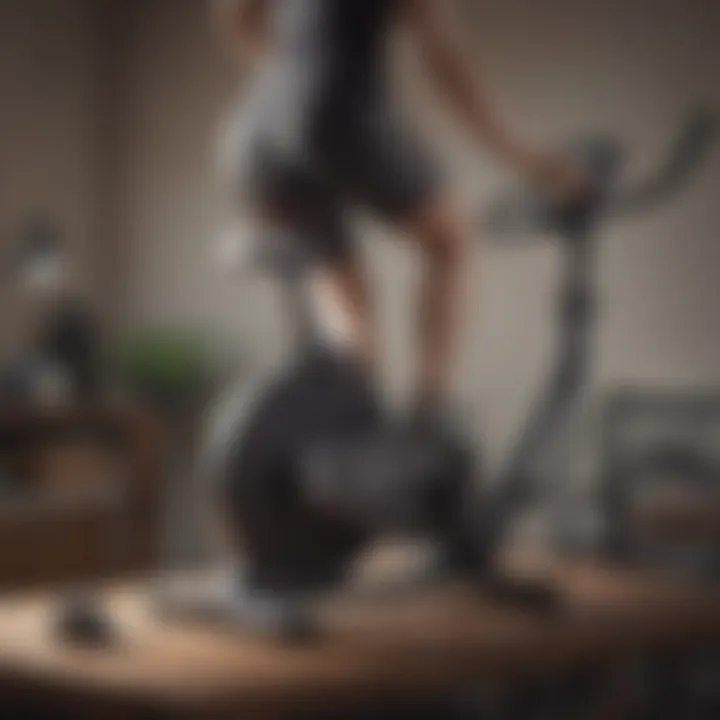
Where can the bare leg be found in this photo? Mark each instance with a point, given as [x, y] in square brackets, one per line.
[339, 292]
[441, 232]
[345, 307]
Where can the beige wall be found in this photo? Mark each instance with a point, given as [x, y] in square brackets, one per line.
[169, 87]
[47, 135]
[630, 66]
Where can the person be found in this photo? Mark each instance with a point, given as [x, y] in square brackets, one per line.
[325, 134]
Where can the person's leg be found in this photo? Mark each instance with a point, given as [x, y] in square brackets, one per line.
[385, 166]
[303, 204]
[336, 286]
[301, 193]
[344, 302]
[442, 233]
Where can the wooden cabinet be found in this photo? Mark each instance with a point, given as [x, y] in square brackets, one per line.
[80, 494]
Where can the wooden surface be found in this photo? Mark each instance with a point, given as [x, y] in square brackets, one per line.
[436, 640]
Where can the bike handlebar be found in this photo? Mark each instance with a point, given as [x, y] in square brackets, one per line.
[692, 145]
[532, 210]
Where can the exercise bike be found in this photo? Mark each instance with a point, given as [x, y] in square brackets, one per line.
[311, 472]
[545, 448]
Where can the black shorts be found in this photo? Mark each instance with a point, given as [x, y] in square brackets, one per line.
[310, 177]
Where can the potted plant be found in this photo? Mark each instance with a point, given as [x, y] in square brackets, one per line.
[168, 368]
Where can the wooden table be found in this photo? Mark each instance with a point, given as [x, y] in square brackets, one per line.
[438, 640]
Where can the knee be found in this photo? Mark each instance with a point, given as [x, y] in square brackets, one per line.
[444, 236]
